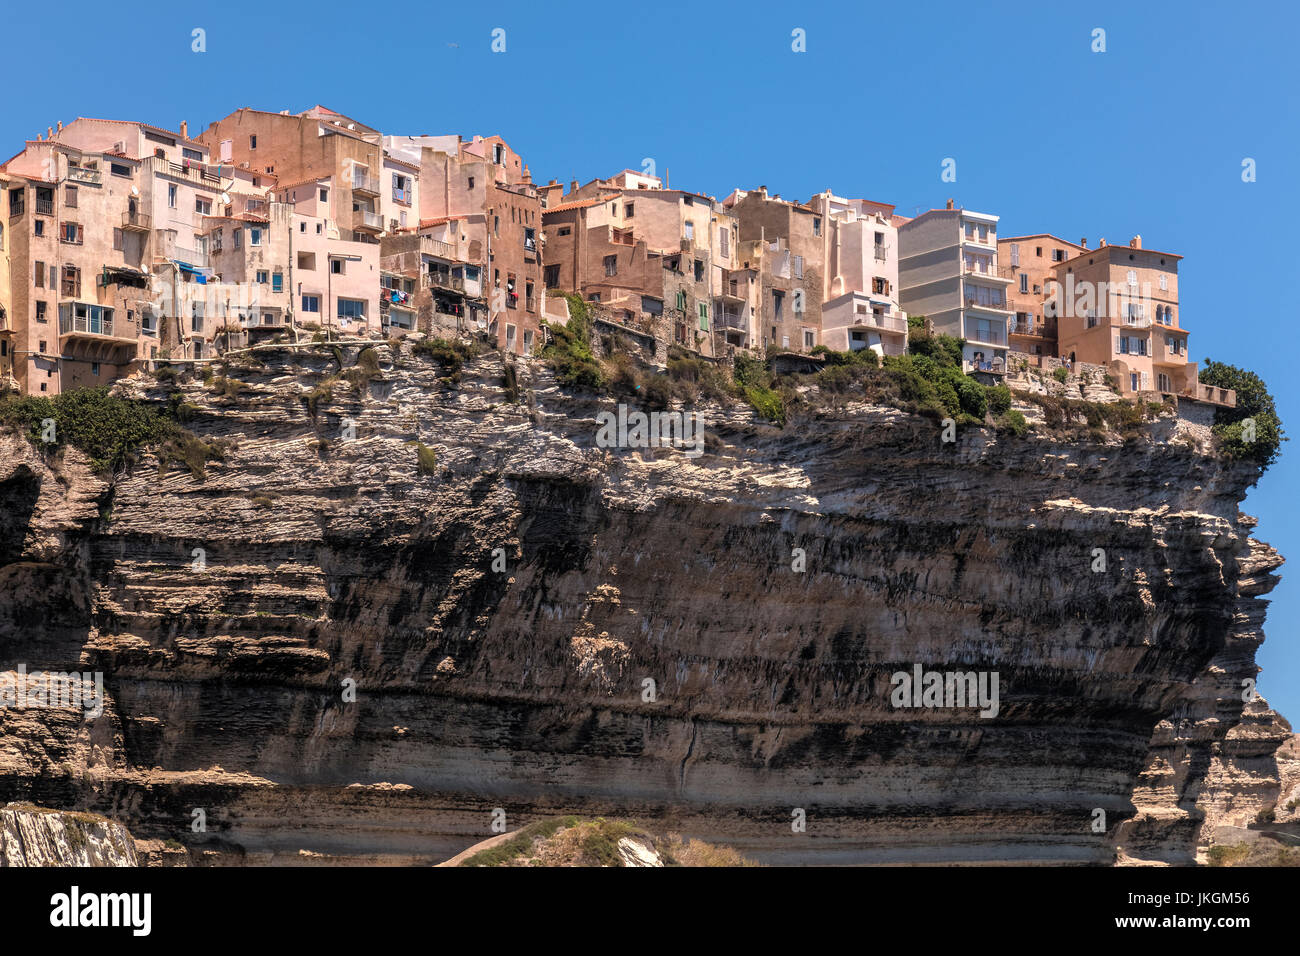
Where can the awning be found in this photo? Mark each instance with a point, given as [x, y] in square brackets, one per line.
[200, 274]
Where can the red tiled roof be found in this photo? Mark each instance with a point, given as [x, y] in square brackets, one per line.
[577, 204]
[426, 223]
[156, 129]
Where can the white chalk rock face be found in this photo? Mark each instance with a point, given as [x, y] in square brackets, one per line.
[34, 836]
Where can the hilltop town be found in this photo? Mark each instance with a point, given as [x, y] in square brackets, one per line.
[127, 245]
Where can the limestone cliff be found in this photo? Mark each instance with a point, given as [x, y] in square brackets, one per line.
[32, 836]
[228, 613]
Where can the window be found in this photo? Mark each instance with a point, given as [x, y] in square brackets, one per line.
[681, 300]
[254, 236]
[629, 209]
[352, 309]
[798, 267]
[118, 240]
[38, 227]
[496, 226]
[704, 316]
[1015, 255]
[70, 197]
[203, 206]
[699, 270]
[530, 240]
[809, 339]
[1024, 282]
[690, 230]
[40, 275]
[984, 233]
[336, 267]
[277, 282]
[262, 276]
[817, 226]
[94, 368]
[324, 195]
[239, 238]
[778, 303]
[193, 154]
[1132, 277]
[563, 231]
[311, 303]
[724, 241]
[252, 142]
[71, 232]
[1164, 282]
[171, 195]
[16, 204]
[1163, 382]
[471, 182]
[117, 169]
[40, 312]
[611, 265]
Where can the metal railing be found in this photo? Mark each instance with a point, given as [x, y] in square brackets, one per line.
[80, 174]
[367, 220]
[94, 325]
[139, 219]
[986, 302]
[889, 321]
[882, 251]
[364, 184]
[45, 207]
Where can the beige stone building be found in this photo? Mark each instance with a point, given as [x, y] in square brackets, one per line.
[485, 185]
[861, 307]
[1118, 307]
[949, 272]
[662, 257]
[781, 259]
[1032, 261]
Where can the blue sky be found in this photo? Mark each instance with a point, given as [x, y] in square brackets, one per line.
[1146, 138]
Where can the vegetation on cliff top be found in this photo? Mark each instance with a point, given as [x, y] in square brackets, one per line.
[1252, 430]
[110, 430]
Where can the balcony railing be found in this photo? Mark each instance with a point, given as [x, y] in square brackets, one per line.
[991, 270]
[442, 280]
[45, 207]
[361, 183]
[726, 319]
[987, 336]
[985, 302]
[367, 220]
[889, 321]
[136, 221]
[94, 325]
[882, 251]
[1210, 393]
[79, 174]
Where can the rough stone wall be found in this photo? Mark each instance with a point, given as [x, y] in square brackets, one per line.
[477, 688]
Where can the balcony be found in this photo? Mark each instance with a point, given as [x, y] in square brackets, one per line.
[364, 185]
[995, 367]
[367, 221]
[882, 251]
[1136, 322]
[987, 270]
[889, 321]
[986, 336]
[87, 324]
[136, 222]
[727, 319]
[1037, 329]
[45, 207]
[89, 177]
[1211, 394]
[976, 301]
[438, 279]
[436, 247]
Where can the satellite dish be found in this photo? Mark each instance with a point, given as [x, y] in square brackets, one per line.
[135, 190]
[225, 198]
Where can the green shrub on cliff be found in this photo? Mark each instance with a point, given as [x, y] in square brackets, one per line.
[1252, 430]
[110, 430]
[569, 349]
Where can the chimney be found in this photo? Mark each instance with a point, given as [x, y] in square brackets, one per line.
[762, 191]
[552, 183]
[60, 126]
[949, 204]
[1135, 242]
[185, 129]
[1101, 243]
[528, 176]
[573, 186]
[49, 132]
[1084, 242]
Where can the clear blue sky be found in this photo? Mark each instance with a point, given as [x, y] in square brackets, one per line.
[1146, 138]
